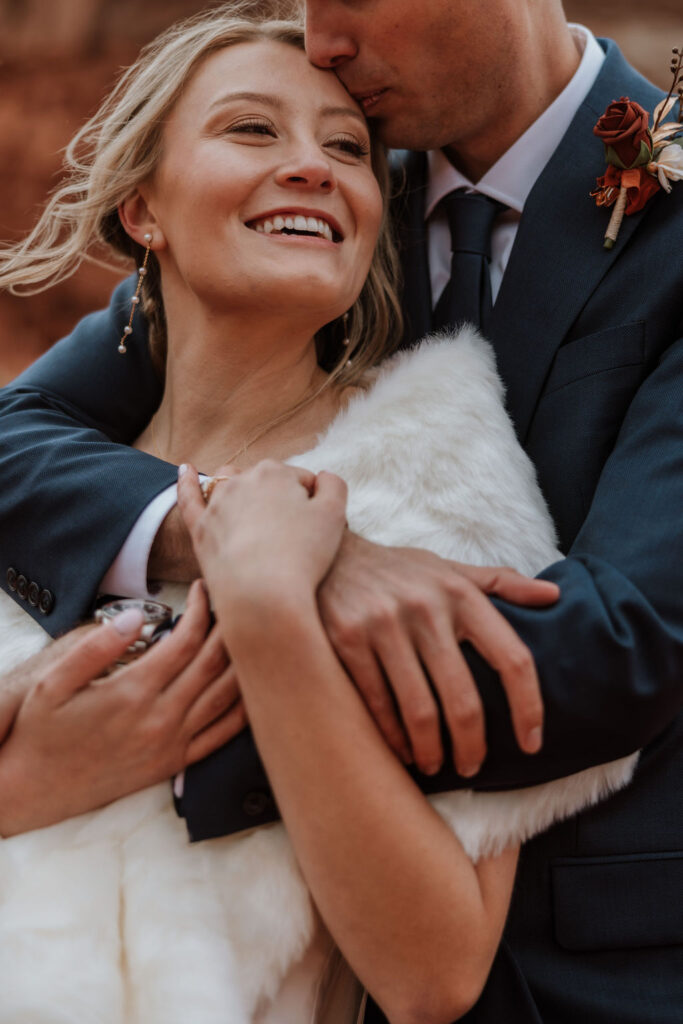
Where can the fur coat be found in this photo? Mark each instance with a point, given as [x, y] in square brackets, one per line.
[113, 917]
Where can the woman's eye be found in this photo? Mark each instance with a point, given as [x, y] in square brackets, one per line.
[252, 128]
[348, 144]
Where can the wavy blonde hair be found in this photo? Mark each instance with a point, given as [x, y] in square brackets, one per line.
[120, 146]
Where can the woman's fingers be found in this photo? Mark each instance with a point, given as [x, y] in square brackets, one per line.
[165, 661]
[89, 657]
[216, 698]
[310, 481]
[190, 498]
[211, 662]
[217, 734]
[330, 489]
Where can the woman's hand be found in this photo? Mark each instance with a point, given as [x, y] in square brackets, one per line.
[267, 534]
[77, 744]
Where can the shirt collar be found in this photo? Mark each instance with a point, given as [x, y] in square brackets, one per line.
[512, 177]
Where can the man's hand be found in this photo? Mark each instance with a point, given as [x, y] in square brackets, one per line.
[77, 744]
[396, 618]
[172, 557]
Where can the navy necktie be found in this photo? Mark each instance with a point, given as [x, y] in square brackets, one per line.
[467, 295]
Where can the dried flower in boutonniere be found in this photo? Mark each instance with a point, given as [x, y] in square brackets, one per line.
[641, 159]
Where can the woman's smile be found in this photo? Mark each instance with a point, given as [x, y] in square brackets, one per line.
[298, 223]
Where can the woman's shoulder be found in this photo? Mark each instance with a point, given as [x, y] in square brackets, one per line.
[447, 383]
[453, 372]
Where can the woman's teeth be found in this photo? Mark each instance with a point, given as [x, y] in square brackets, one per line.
[297, 224]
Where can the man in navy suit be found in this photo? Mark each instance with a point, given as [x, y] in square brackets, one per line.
[501, 98]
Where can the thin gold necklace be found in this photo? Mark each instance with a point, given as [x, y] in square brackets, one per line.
[261, 433]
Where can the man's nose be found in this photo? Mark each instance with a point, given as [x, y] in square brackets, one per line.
[328, 44]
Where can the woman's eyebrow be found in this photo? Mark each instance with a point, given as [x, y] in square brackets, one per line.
[275, 101]
[253, 97]
[336, 111]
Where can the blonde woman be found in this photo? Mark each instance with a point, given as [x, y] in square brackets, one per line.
[244, 181]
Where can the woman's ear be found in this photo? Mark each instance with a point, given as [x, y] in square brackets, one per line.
[138, 220]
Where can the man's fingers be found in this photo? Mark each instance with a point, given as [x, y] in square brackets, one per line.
[191, 501]
[510, 585]
[218, 734]
[367, 676]
[458, 695]
[497, 642]
[415, 699]
[90, 656]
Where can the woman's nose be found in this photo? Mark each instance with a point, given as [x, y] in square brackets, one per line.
[307, 171]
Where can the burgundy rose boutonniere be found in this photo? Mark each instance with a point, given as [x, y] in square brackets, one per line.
[640, 160]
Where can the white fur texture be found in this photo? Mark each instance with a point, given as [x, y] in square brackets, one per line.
[113, 917]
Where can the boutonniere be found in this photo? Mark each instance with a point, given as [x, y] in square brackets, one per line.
[640, 159]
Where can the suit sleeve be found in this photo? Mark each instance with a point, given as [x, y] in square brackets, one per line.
[609, 653]
[71, 493]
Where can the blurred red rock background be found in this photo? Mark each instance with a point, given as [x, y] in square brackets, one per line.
[59, 57]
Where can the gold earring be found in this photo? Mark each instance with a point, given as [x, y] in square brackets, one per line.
[345, 321]
[346, 341]
[135, 301]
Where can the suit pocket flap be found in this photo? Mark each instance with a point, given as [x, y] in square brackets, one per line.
[595, 353]
[618, 902]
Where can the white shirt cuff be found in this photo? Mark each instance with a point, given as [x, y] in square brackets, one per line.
[127, 575]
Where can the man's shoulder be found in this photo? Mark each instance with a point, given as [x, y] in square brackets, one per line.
[619, 78]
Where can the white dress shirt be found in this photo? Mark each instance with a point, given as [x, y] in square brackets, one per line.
[512, 177]
[510, 181]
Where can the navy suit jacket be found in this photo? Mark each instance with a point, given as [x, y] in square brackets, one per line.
[590, 346]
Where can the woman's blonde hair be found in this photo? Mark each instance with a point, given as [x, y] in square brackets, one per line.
[120, 146]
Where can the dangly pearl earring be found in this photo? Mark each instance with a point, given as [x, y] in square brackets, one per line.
[135, 301]
[346, 341]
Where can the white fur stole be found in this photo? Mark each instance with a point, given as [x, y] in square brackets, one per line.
[113, 917]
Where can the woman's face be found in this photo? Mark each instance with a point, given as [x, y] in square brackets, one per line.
[265, 196]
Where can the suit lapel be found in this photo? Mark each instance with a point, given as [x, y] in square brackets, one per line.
[558, 259]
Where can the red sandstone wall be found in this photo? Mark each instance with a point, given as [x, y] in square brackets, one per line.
[58, 58]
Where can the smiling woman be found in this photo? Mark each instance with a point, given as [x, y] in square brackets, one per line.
[291, 145]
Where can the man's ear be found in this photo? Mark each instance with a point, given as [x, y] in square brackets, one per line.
[138, 220]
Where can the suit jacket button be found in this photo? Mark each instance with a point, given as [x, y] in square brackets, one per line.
[12, 578]
[22, 587]
[255, 803]
[33, 594]
[46, 602]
